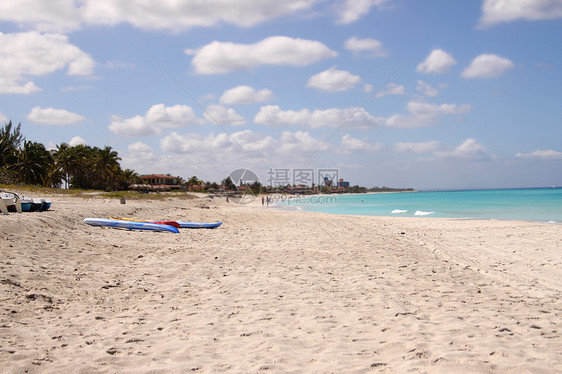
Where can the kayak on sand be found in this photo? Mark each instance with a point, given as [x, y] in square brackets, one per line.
[169, 223]
[179, 224]
[131, 225]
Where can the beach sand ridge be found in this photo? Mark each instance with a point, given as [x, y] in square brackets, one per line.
[276, 291]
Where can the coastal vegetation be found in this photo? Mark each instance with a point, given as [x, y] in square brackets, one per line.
[75, 167]
[82, 167]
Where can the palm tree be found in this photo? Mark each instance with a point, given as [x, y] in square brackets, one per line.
[78, 165]
[107, 167]
[127, 178]
[63, 162]
[33, 163]
[10, 140]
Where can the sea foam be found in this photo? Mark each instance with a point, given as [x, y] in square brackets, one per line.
[422, 213]
[396, 211]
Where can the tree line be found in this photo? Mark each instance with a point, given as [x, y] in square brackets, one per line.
[79, 166]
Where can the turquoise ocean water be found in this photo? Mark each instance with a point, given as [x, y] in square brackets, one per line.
[529, 204]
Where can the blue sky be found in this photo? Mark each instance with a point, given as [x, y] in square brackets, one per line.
[432, 94]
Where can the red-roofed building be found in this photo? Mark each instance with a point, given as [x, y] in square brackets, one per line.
[160, 181]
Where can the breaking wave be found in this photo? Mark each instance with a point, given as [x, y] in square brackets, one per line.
[422, 213]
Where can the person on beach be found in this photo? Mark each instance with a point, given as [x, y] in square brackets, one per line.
[262, 200]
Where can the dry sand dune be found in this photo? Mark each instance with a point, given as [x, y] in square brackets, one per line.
[276, 291]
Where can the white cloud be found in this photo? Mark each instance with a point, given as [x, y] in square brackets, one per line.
[438, 61]
[32, 54]
[77, 140]
[182, 15]
[498, 11]
[368, 46]
[141, 156]
[195, 143]
[156, 117]
[487, 66]
[3, 118]
[223, 57]
[333, 80]
[299, 142]
[350, 117]
[541, 155]
[219, 154]
[68, 15]
[429, 90]
[172, 116]
[468, 150]
[224, 116]
[272, 115]
[52, 16]
[350, 144]
[392, 89]
[284, 149]
[135, 126]
[245, 95]
[352, 10]
[221, 146]
[51, 116]
[425, 114]
[421, 147]
[141, 151]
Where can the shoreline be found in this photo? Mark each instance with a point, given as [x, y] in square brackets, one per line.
[508, 207]
[277, 291]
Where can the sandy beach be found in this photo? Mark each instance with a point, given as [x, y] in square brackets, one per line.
[276, 291]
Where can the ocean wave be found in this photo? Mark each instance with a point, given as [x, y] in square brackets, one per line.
[422, 213]
[396, 211]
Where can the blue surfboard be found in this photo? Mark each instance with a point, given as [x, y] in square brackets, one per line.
[131, 225]
[199, 225]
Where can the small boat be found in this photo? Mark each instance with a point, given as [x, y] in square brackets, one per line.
[36, 205]
[8, 198]
[199, 225]
[130, 225]
[46, 204]
[7, 202]
[26, 203]
[169, 223]
[14, 202]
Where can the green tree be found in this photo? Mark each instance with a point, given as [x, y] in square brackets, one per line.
[256, 188]
[32, 163]
[229, 184]
[193, 181]
[107, 168]
[127, 178]
[10, 140]
[64, 162]
[78, 166]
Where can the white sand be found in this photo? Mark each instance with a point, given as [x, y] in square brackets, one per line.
[275, 291]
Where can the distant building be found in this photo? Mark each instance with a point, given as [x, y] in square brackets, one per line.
[158, 182]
